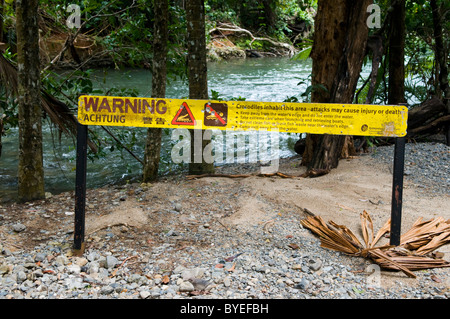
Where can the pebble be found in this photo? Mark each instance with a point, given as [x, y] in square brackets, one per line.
[18, 227]
[186, 286]
[144, 294]
[111, 261]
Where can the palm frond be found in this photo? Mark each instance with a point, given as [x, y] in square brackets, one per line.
[58, 111]
[8, 76]
[418, 242]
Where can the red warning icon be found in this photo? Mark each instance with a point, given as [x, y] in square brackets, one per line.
[184, 116]
[216, 114]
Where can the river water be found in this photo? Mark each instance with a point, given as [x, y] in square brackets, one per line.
[266, 79]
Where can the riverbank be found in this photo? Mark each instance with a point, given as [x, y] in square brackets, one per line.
[266, 79]
[146, 241]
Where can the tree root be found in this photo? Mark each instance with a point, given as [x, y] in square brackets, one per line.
[228, 27]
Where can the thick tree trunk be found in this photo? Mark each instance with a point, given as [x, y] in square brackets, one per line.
[2, 10]
[197, 73]
[153, 144]
[1, 40]
[340, 40]
[396, 90]
[30, 169]
[441, 55]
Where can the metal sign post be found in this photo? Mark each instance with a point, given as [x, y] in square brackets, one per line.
[397, 190]
[80, 188]
[313, 118]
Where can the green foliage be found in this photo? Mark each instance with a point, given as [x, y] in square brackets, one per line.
[254, 14]
[306, 95]
[421, 77]
[301, 10]
[223, 11]
[125, 30]
[68, 88]
[305, 50]
[420, 66]
[215, 95]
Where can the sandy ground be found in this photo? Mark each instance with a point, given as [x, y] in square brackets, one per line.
[219, 203]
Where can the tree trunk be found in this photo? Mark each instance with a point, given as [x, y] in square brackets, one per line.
[159, 75]
[2, 10]
[1, 134]
[441, 54]
[340, 40]
[197, 73]
[30, 169]
[269, 12]
[396, 90]
[1, 40]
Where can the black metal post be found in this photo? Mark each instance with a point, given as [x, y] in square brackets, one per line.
[397, 190]
[80, 187]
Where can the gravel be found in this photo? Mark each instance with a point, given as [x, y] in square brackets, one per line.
[426, 164]
[269, 266]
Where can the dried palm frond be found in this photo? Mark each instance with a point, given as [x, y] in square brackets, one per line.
[58, 112]
[435, 242]
[331, 236]
[61, 115]
[366, 222]
[8, 76]
[420, 240]
[421, 233]
[381, 232]
[386, 261]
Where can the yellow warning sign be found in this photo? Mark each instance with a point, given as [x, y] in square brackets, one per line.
[315, 118]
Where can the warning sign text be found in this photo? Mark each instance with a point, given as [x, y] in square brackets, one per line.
[315, 118]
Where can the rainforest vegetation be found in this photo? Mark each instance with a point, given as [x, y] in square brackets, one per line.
[405, 42]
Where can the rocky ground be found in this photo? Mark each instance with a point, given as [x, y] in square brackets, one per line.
[176, 239]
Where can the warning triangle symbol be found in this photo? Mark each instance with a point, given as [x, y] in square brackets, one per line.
[184, 116]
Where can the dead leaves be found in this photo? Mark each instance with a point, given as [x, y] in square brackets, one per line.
[413, 253]
[231, 268]
[424, 237]
[165, 279]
